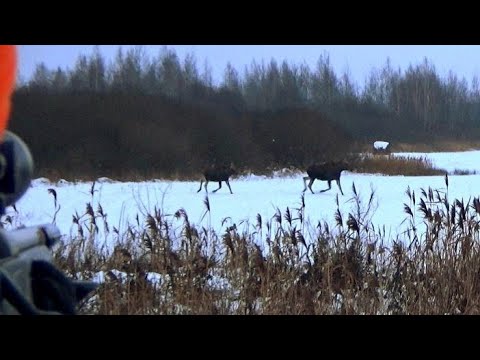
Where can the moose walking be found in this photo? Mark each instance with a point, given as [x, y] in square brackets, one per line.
[218, 174]
[326, 171]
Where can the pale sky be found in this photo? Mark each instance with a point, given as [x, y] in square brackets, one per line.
[359, 60]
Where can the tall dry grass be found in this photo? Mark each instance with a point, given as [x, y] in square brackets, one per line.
[394, 165]
[163, 264]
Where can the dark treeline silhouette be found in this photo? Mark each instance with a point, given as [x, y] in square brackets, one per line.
[162, 115]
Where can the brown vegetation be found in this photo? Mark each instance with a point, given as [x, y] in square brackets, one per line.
[286, 265]
[392, 165]
[144, 136]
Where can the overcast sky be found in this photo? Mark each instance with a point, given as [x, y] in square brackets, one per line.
[359, 60]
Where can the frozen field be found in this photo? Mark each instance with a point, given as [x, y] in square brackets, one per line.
[252, 195]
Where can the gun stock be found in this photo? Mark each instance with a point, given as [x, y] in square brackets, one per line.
[29, 282]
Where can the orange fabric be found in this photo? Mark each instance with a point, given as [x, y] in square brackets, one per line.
[8, 73]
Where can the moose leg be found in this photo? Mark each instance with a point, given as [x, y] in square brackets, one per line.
[206, 183]
[305, 182]
[229, 187]
[219, 186]
[309, 184]
[201, 183]
[339, 186]
[329, 186]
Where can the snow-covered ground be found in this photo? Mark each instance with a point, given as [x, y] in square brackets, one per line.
[252, 195]
[450, 161]
[380, 145]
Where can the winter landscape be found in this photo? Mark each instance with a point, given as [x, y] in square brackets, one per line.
[120, 144]
[122, 202]
[124, 206]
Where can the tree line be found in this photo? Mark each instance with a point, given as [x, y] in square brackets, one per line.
[162, 114]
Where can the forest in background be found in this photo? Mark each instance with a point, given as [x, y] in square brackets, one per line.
[162, 116]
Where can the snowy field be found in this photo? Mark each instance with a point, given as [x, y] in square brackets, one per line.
[252, 195]
[450, 161]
